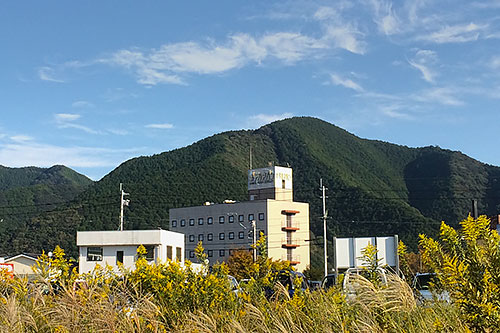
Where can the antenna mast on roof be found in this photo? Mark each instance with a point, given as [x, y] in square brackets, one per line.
[123, 202]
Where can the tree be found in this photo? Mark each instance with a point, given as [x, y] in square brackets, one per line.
[467, 263]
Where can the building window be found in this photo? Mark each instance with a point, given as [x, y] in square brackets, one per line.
[221, 236]
[231, 252]
[250, 217]
[200, 221]
[222, 253]
[191, 221]
[178, 254]
[183, 223]
[174, 224]
[231, 235]
[191, 254]
[261, 216]
[119, 257]
[283, 183]
[200, 237]
[231, 218]
[241, 234]
[169, 252]
[210, 220]
[210, 237]
[94, 254]
[241, 218]
[210, 253]
[191, 238]
[221, 219]
[150, 252]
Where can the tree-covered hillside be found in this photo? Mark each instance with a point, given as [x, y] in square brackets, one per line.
[27, 192]
[374, 187]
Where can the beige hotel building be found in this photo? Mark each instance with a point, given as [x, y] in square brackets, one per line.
[228, 226]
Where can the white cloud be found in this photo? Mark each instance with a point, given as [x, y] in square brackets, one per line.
[164, 65]
[43, 155]
[460, 33]
[494, 62]
[261, 119]
[347, 83]
[423, 60]
[345, 37]
[65, 117]
[21, 138]
[441, 95]
[160, 126]
[82, 104]
[386, 19]
[66, 120]
[48, 74]
[118, 131]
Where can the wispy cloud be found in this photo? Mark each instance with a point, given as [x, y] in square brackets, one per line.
[21, 138]
[82, 104]
[341, 33]
[166, 64]
[263, 119]
[48, 74]
[423, 60]
[67, 120]
[160, 126]
[460, 33]
[44, 155]
[385, 17]
[347, 83]
[494, 62]
[64, 117]
[441, 95]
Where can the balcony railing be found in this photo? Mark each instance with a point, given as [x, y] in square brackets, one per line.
[289, 225]
[294, 259]
[289, 243]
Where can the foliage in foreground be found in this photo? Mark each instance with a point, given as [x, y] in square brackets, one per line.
[168, 297]
[467, 263]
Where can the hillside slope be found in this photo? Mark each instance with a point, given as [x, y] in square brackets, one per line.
[27, 192]
[374, 187]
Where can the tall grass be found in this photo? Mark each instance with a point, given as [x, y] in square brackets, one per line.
[122, 304]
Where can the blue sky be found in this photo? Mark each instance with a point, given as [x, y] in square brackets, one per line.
[90, 84]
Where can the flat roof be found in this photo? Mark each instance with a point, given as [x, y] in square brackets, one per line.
[127, 237]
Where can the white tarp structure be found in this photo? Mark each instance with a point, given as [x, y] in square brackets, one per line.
[347, 251]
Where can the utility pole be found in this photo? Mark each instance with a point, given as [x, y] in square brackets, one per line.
[254, 226]
[323, 196]
[123, 202]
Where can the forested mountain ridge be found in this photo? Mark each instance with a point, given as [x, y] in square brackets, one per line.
[27, 192]
[374, 187]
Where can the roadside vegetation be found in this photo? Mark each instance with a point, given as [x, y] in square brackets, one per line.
[171, 298]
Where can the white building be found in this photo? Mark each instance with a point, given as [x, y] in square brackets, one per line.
[113, 247]
[226, 227]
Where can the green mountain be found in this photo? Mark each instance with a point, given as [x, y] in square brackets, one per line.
[374, 187]
[28, 192]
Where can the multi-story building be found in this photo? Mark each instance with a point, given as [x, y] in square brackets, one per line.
[229, 226]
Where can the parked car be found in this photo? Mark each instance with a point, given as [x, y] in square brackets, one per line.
[329, 281]
[288, 279]
[422, 283]
[351, 284]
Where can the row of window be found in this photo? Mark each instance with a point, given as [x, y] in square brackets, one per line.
[95, 253]
[222, 220]
[222, 236]
[210, 253]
